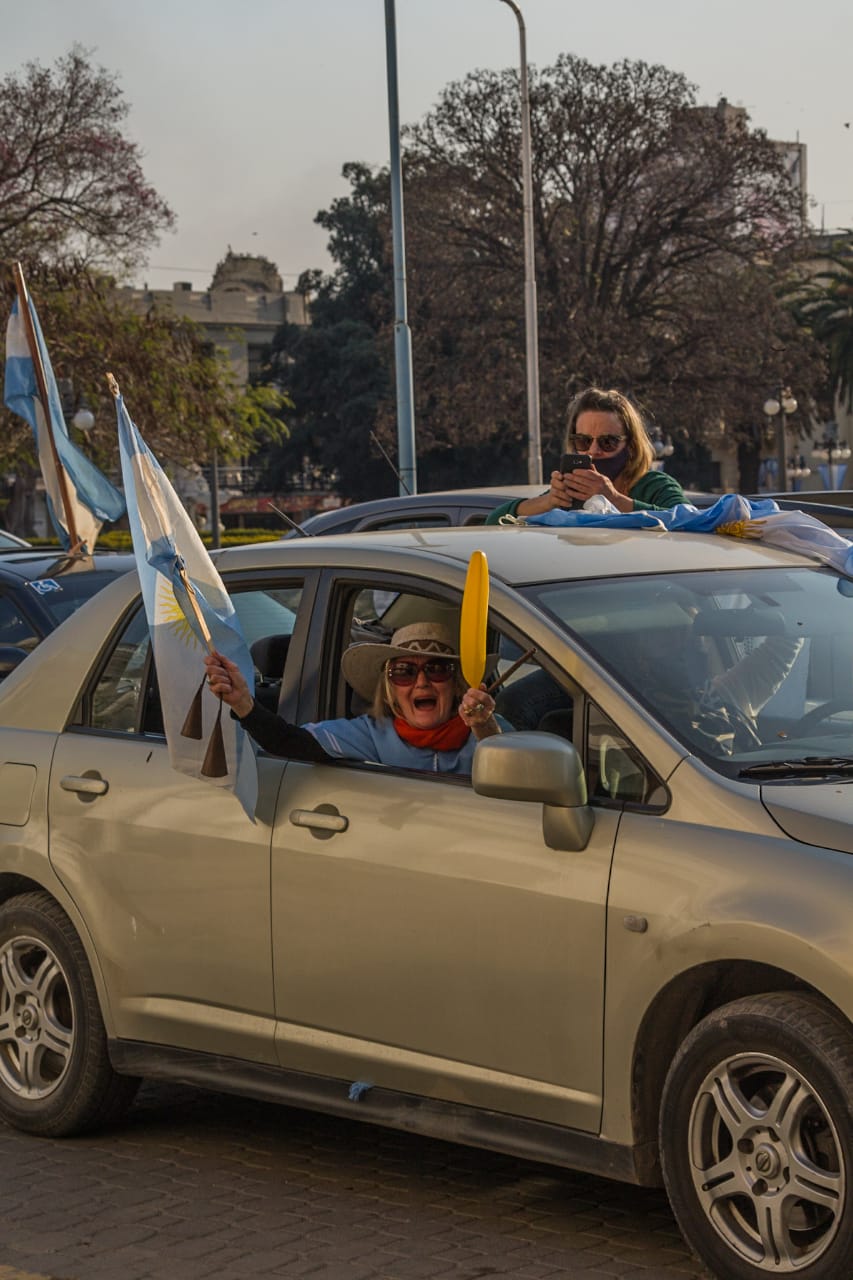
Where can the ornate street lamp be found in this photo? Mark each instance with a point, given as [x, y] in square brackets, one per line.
[778, 407]
[662, 446]
[832, 451]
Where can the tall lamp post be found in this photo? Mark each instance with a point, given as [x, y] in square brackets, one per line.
[534, 438]
[832, 451]
[777, 408]
[406, 458]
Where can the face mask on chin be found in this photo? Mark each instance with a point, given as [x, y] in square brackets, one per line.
[611, 464]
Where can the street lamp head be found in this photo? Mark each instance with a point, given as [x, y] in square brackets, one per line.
[789, 404]
[83, 420]
[771, 407]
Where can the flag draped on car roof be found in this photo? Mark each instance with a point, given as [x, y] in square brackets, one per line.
[79, 496]
[733, 515]
[188, 610]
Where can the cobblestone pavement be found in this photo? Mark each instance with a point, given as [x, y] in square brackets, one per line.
[200, 1186]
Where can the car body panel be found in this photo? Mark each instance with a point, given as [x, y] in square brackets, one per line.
[184, 942]
[496, 922]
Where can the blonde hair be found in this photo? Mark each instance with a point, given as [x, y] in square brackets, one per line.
[385, 705]
[641, 454]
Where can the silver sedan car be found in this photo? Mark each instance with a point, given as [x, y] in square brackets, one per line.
[623, 945]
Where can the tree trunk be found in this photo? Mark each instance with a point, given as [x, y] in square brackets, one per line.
[748, 461]
[20, 513]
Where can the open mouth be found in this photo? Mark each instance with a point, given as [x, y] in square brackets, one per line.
[425, 702]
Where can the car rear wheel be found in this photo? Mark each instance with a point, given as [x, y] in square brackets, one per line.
[55, 1075]
[756, 1139]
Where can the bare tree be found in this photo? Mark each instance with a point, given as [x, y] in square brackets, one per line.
[71, 183]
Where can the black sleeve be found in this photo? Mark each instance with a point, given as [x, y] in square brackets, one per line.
[282, 739]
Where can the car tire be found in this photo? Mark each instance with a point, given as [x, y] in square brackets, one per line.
[55, 1074]
[756, 1139]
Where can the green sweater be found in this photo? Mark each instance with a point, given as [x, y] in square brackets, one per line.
[655, 491]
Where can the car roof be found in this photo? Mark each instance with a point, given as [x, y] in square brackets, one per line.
[35, 564]
[521, 554]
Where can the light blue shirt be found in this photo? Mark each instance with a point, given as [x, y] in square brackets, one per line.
[379, 742]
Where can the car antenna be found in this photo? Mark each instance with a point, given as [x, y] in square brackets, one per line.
[303, 533]
[400, 479]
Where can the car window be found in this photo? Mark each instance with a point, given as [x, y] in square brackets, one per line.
[115, 699]
[125, 697]
[14, 627]
[615, 769]
[62, 595]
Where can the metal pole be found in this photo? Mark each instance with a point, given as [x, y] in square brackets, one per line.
[402, 333]
[534, 440]
[781, 447]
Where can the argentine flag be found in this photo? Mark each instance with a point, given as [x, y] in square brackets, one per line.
[178, 578]
[89, 494]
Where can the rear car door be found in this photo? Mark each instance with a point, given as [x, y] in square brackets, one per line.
[167, 870]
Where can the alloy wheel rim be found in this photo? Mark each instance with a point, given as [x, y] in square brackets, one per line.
[36, 1019]
[767, 1164]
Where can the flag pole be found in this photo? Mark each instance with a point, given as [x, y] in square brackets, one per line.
[41, 381]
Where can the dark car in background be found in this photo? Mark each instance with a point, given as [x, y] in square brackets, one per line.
[471, 506]
[39, 590]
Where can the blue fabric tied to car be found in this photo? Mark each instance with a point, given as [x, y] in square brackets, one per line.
[731, 515]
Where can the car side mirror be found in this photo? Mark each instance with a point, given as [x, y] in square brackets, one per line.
[541, 769]
[11, 656]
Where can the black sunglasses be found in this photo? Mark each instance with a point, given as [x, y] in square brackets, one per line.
[404, 674]
[607, 444]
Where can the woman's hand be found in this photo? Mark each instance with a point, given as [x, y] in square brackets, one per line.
[226, 681]
[585, 483]
[477, 709]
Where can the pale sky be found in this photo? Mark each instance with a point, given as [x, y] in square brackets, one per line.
[246, 111]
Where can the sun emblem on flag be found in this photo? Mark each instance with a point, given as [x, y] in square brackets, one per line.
[170, 614]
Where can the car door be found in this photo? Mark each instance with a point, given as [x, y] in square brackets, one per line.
[426, 939]
[167, 870]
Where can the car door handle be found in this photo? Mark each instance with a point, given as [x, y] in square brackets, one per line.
[324, 818]
[87, 786]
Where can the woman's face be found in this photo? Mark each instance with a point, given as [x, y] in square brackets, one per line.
[594, 423]
[426, 704]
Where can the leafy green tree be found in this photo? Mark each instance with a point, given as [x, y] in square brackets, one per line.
[823, 305]
[179, 389]
[662, 231]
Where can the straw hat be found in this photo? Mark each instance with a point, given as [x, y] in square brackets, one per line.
[362, 663]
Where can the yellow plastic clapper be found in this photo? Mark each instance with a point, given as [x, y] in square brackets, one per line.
[473, 621]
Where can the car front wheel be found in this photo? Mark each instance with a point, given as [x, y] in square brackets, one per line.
[55, 1075]
[756, 1139]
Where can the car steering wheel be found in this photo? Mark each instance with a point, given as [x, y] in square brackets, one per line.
[821, 713]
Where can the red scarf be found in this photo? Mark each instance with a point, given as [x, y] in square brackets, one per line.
[449, 736]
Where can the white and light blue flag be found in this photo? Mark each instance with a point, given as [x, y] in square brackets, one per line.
[731, 515]
[91, 497]
[204, 739]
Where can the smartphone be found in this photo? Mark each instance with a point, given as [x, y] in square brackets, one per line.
[575, 462]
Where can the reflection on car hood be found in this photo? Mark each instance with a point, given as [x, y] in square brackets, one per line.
[815, 813]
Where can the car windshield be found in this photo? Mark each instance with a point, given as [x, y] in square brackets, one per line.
[748, 668]
[61, 595]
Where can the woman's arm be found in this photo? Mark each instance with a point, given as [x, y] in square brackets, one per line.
[269, 730]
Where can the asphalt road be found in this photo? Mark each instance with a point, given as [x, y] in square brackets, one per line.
[200, 1186]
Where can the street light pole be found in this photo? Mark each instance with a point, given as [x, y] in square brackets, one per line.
[534, 438]
[779, 406]
[406, 455]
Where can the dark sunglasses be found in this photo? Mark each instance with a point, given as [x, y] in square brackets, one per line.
[607, 444]
[404, 674]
